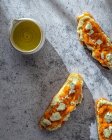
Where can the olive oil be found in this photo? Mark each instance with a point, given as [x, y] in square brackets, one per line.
[26, 35]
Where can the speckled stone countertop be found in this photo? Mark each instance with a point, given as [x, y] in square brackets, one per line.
[27, 83]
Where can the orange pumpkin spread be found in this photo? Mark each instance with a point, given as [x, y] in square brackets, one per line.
[63, 103]
[104, 119]
[94, 38]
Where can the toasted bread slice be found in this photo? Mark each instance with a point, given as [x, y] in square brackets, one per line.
[104, 119]
[63, 103]
[93, 37]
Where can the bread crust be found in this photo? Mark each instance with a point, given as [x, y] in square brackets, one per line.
[102, 106]
[93, 37]
[63, 103]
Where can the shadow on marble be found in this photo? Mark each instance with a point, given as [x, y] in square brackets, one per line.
[77, 127]
[28, 82]
[4, 38]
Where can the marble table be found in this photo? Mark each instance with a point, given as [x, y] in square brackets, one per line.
[27, 83]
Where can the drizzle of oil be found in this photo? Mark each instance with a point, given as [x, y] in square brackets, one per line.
[26, 35]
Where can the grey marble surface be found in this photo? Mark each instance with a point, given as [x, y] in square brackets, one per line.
[27, 83]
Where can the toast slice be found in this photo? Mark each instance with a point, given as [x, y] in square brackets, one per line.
[104, 119]
[63, 103]
[93, 37]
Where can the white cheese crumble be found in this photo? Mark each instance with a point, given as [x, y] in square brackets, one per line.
[80, 24]
[102, 55]
[106, 133]
[55, 116]
[71, 91]
[110, 129]
[45, 122]
[109, 57]
[75, 80]
[90, 32]
[72, 86]
[99, 42]
[88, 26]
[61, 107]
[108, 117]
[81, 21]
[56, 100]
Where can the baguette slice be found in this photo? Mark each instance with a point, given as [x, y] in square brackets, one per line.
[63, 103]
[104, 119]
[93, 37]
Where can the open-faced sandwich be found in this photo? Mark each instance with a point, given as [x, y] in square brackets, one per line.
[63, 103]
[93, 37]
[104, 119]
